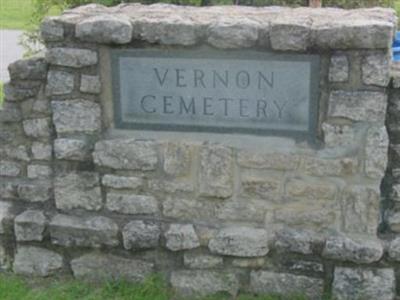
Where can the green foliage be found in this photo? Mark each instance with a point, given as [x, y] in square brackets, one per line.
[1, 96]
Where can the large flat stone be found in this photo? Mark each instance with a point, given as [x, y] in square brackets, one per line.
[30, 226]
[131, 204]
[181, 237]
[71, 57]
[141, 235]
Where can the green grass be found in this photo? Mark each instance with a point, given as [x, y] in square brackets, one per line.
[154, 288]
[1, 96]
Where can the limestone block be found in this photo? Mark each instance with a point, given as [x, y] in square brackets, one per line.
[76, 116]
[393, 220]
[90, 84]
[128, 154]
[266, 282]
[253, 263]
[355, 248]
[39, 171]
[358, 105]
[305, 266]
[361, 209]
[376, 152]
[359, 283]
[177, 159]
[34, 261]
[339, 68]
[242, 210]
[9, 168]
[296, 240]
[226, 33]
[37, 128]
[59, 83]
[10, 113]
[216, 172]
[15, 152]
[320, 167]
[188, 209]
[78, 190]
[16, 92]
[171, 186]
[269, 160]
[141, 235]
[310, 190]
[394, 249]
[181, 237]
[131, 204]
[121, 182]
[376, 69]
[30, 226]
[240, 241]
[112, 29]
[71, 57]
[51, 30]
[106, 267]
[71, 149]
[41, 151]
[5, 215]
[198, 260]
[34, 191]
[71, 231]
[265, 187]
[33, 68]
[340, 136]
[202, 282]
[8, 189]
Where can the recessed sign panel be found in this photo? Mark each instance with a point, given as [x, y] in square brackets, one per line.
[244, 92]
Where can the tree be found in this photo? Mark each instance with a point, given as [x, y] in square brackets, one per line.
[315, 3]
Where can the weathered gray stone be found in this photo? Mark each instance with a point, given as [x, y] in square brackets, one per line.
[71, 57]
[71, 231]
[131, 204]
[351, 284]
[90, 84]
[107, 29]
[376, 152]
[358, 249]
[17, 92]
[30, 226]
[393, 220]
[297, 241]
[76, 116]
[227, 33]
[5, 215]
[358, 105]
[242, 209]
[376, 69]
[268, 187]
[126, 154]
[320, 167]
[78, 190]
[141, 235]
[188, 209]
[35, 191]
[121, 182]
[37, 128]
[240, 241]
[268, 160]
[171, 186]
[394, 249]
[33, 68]
[100, 267]
[339, 68]
[216, 172]
[312, 190]
[39, 171]
[10, 112]
[198, 260]
[59, 83]
[177, 159]
[41, 151]
[51, 30]
[202, 282]
[9, 168]
[304, 266]
[71, 149]
[340, 136]
[8, 189]
[181, 237]
[34, 261]
[253, 263]
[15, 152]
[5, 259]
[266, 282]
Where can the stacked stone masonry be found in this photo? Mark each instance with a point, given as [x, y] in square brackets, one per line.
[79, 197]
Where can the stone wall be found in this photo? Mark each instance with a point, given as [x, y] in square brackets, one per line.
[211, 212]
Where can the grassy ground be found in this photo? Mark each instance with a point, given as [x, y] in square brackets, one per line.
[15, 288]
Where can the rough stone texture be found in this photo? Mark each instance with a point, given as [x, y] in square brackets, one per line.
[126, 154]
[181, 237]
[358, 105]
[141, 235]
[305, 266]
[376, 69]
[339, 68]
[254, 263]
[34, 261]
[9, 168]
[51, 30]
[39, 171]
[17, 91]
[266, 282]
[269, 160]
[5, 215]
[312, 190]
[76, 116]
[358, 249]
[8, 190]
[216, 171]
[177, 159]
[363, 284]
[376, 152]
[340, 136]
[15, 152]
[30, 226]
[95, 267]
[195, 260]
[394, 249]
[59, 83]
[240, 241]
[320, 167]
[131, 204]
[268, 187]
[37, 128]
[393, 220]
[70, 57]
[171, 186]
[90, 84]
[121, 182]
[297, 241]
[202, 282]
[188, 209]
[71, 231]
[243, 210]
[41, 151]
[71, 149]
[111, 29]
[33, 68]
[78, 190]
[34, 191]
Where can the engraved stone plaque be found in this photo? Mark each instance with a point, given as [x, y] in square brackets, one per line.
[216, 91]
